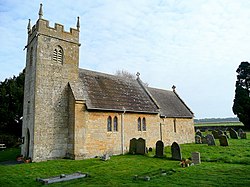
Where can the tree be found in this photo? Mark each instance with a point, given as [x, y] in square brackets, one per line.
[11, 105]
[128, 76]
[241, 106]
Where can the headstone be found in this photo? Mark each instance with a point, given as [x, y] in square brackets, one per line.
[150, 149]
[210, 139]
[176, 151]
[215, 134]
[196, 159]
[223, 140]
[141, 146]
[132, 146]
[203, 139]
[198, 132]
[233, 134]
[243, 135]
[159, 149]
[225, 133]
[220, 132]
[197, 139]
[240, 131]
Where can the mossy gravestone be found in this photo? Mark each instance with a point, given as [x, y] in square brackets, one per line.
[233, 134]
[223, 140]
[176, 151]
[159, 149]
[210, 139]
[132, 146]
[215, 134]
[141, 146]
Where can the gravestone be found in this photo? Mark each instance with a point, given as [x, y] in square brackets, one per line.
[141, 146]
[196, 159]
[215, 134]
[210, 139]
[243, 135]
[223, 140]
[240, 131]
[150, 149]
[132, 146]
[203, 139]
[159, 149]
[220, 132]
[197, 139]
[233, 134]
[176, 151]
[198, 132]
[225, 133]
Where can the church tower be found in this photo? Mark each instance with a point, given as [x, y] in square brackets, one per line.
[52, 61]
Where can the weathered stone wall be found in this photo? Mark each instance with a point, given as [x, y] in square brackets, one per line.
[93, 139]
[50, 116]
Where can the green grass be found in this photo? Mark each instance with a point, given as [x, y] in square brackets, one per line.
[9, 154]
[221, 166]
[228, 124]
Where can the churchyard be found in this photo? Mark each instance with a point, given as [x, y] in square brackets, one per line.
[220, 166]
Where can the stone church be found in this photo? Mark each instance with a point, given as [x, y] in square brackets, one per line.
[78, 113]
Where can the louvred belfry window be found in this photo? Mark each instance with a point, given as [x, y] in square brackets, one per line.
[58, 54]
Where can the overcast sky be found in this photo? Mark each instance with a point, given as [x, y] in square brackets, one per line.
[195, 45]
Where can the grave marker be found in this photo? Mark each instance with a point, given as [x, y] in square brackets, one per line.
[176, 151]
[141, 146]
[233, 134]
[223, 140]
[210, 139]
[159, 149]
[196, 159]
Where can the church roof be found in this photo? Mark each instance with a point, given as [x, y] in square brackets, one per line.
[171, 105]
[102, 91]
[109, 92]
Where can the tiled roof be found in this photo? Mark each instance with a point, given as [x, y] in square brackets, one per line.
[109, 92]
[171, 105]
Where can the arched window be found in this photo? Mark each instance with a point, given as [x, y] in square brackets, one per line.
[144, 128]
[139, 124]
[115, 124]
[109, 124]
[58, 54]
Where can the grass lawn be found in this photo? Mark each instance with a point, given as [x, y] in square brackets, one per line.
[227, 124]
[221, 166]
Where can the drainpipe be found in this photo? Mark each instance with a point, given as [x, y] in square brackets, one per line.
[122, 130]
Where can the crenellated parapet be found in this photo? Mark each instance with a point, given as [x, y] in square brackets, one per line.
[42, 27]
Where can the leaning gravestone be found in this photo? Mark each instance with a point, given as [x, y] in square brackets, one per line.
[210, 139]
[141, 146]
[196, 159]
[132, 146]
[223, 140]
[233, 134]
[197, 139]
[159, 149]
[176, 151]
[215, 134]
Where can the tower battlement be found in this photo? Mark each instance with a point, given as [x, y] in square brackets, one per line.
[43, 27]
